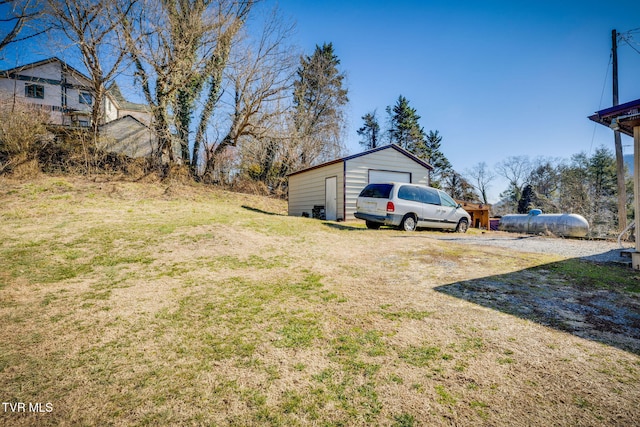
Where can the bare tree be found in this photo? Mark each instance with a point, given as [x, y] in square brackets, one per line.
[516, 170]
[262, 77]
[16, 15]
[178, 47]
[235, 18]
[90, 26]
[480, 176]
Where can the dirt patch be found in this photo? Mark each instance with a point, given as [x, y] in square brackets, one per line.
[610, 313]
[601, 315]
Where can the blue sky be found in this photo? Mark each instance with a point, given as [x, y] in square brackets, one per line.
[495, 78]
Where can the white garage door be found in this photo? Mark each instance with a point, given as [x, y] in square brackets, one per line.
[388, 176]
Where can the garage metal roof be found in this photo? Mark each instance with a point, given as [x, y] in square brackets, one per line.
[364, 153]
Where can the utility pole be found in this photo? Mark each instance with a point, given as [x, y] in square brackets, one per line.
[622, 190]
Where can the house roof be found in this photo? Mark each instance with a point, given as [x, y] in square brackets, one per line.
[364, 153]
[14, 71]
[116, 94]
[113, 91]
[627, 116]
[119, 120]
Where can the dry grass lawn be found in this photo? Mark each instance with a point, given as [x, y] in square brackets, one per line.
[156, 304]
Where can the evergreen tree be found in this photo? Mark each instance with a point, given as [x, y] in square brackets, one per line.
[370, 131]
[528, 200]
[404, 129]
[319, 99]
[437, 159]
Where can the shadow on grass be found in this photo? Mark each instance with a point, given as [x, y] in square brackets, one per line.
[252, 209]
[596, 301]
[343, 227]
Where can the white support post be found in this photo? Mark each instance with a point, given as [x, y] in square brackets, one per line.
[635, 256]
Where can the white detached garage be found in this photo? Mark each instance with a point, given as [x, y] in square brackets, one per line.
[335, 185]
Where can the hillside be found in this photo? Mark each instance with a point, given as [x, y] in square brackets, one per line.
[167, 304]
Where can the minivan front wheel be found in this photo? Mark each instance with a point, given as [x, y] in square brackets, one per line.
[462, 226]
[408, 223]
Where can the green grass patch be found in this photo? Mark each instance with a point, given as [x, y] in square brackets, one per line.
[252, 261]
[420, 355]
[444, 396]
[592, 275]
[410, 314]
[42, 262]
[299, 332]
[404, 420]
[357, 341]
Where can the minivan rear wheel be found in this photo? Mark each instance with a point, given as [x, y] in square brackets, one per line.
[373, 225]
[408, 223]
[462, 226]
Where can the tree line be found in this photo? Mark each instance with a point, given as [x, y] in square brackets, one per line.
[233, 99]
[585, 184]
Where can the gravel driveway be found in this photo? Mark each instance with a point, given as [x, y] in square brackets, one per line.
[592, 250]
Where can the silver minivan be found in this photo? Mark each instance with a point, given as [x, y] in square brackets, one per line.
[409, 206]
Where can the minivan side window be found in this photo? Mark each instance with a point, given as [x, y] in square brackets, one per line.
[447, 200]
[409, 192]
[377, 191]
[430, 196]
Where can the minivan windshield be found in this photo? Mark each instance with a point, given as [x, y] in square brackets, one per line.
[447, 200]
[377, 191]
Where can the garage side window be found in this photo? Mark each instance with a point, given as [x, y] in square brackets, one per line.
[430, 196]
[409, 192]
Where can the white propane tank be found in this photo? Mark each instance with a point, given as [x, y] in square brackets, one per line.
[563, 225]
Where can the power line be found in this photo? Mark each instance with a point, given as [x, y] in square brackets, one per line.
[604, 86]
[627, 37]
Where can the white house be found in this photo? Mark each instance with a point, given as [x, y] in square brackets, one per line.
[64, 92]
[67, 95]
[335, 185]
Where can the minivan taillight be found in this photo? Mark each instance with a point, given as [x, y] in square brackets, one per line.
[390, 207]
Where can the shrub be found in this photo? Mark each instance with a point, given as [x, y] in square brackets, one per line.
[22, 132]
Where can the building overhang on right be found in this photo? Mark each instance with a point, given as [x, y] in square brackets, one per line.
[623, 117]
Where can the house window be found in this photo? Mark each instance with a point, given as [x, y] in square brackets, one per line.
[34, 91]
[85, 98]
